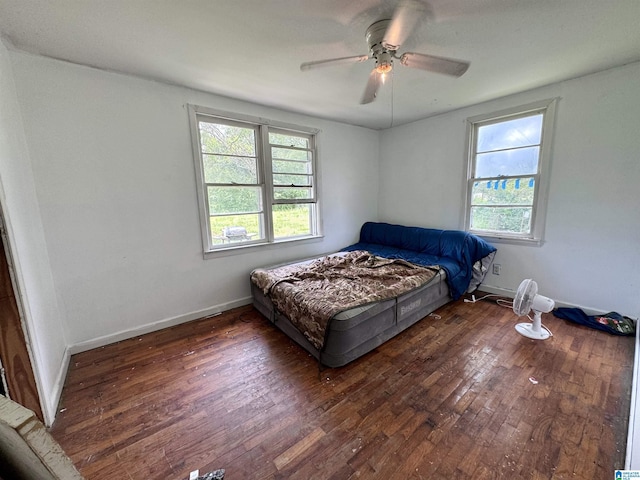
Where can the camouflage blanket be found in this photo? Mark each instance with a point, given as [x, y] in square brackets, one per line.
[310, 295]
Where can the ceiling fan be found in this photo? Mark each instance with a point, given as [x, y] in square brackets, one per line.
[384, 38]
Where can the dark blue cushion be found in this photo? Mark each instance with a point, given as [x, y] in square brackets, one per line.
[611, 322]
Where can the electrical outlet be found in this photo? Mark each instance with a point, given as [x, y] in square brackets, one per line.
[497, 268]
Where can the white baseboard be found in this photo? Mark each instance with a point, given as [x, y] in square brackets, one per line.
[56, 393]
[559, 303]
[155, 326]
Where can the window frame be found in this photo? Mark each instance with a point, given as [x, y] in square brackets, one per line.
[262, 127]
[542, 176]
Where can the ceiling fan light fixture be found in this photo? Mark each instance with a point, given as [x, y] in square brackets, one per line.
[384, 68]
[384, 63]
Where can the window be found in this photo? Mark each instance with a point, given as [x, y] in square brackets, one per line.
[257, 180]
[508, 172]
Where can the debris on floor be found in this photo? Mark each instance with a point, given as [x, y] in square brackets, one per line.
[215, 475]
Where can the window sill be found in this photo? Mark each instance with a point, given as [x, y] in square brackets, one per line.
[532, 242]
[252, 247]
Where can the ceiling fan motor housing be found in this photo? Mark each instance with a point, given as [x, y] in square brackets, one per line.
[375, 35]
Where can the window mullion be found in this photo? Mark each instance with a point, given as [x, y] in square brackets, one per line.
[267, 181]
[314, 187]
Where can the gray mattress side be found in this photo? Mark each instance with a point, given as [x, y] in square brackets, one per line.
[351, 336]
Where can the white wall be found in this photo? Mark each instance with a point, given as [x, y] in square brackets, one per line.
[591, 254]
[114, 176]
[42, 317]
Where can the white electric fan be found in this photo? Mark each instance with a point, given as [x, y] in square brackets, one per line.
[526, 299]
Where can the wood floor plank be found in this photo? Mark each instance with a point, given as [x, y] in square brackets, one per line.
[458, 395]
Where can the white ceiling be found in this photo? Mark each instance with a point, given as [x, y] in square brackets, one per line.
[252, 50]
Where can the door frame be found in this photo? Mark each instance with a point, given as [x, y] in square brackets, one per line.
[26, 345]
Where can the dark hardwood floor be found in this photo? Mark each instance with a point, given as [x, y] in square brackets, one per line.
[459, 396]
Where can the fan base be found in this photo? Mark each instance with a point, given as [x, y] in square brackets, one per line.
[527, 330]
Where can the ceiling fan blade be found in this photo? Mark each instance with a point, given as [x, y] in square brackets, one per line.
[371, 90]
[446, 66]
[405, 17]
[333, 61]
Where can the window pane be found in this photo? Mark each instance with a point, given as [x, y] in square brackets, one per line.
[279, 179]
[227, 139]
[288, 140]
[291, 193]
[227, 200]
[290, 154]
[520, 132]
[292, 220]
[284, 166]
[521, 161]
[501, 219]
[515, 191]
[226, 169]
[236, 228]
